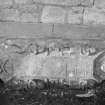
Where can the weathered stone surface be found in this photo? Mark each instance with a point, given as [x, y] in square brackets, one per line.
[75, 15]
[25, 30]
[59, 2]
[94, 16]
[9, 15]
[24, 13]
[100, 4]
[68, 31]
[6, 2]
[23, 1]
[28, 17]
[87, 2]
[33, 8]
[42, 65]
[66, 2]
[30, 13]
[53, 15]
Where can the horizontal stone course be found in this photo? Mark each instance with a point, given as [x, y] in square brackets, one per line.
[24, 13]
[23, 1]
[80, 32]
[52, 2]
[53, 11]
[59, 2]
[25, 30]
[66, 31]
[67, 2]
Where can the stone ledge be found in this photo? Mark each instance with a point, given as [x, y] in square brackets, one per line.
[66, 2]
[67, 31]
[80, 31]
[24, 30]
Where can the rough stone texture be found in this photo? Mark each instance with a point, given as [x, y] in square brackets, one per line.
[66, 2]
[21, 19]
[23, 1]
[53, 15]
[53, 11]
[59, 2]
[42, 65]
[24, 13]
[9, 15]
[75, 15]
[6, 2]
[94, 16]
[30, 8]
[20, 32]
[28, 17]
[100, 4]
[30, 13]
[87, 2]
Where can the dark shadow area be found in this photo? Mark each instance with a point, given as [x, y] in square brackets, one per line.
[48, 94]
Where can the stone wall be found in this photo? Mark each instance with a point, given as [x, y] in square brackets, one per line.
[81, 21]
[53, 11]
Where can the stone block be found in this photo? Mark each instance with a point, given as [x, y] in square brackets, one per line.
[33, 8]
[28, 17]
[94, 16]
[75, 15]
[9, 15]
[53, 14]
[30, 13]
[60, 2]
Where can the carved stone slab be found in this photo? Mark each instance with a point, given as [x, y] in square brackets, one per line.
[54, 56]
